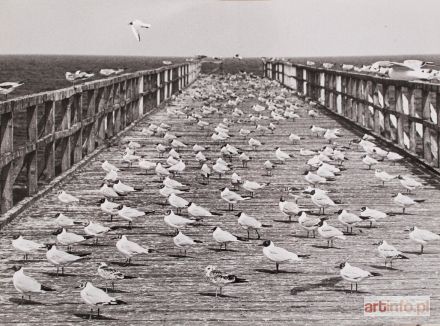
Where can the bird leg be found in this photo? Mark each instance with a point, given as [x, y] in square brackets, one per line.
[248, 234]
[351, 287]
[57, 270]
[307, 234]
[371, 224]
[421, 250]
[277, 267]
[91, 313]
[356, 287]
[258, 234]
[98, 312]
[62, 270]
[314, 233]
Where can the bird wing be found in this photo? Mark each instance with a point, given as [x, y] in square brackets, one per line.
[26, 283]
[136, 33]
[97, 296]
[355, 272]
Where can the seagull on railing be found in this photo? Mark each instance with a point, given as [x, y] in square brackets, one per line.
[8, 87]
[108, 72]
[136, 25]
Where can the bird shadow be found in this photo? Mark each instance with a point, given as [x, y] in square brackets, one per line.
[386, 268]
[415, 253]
[80, 254]
[179, 256]
[327, 282]
[160, 203]
[129, 277]
[26, 302]
[302, 236]
[110, 290]
[211, 294]
[53, 274]
[124, 264]
[223, 250]
[274, 271]
[350, 292]
[126, 227]
[349, 234]
[94, 317]
[325, 247]
[285, 221]
[366, 227]
[95, 245]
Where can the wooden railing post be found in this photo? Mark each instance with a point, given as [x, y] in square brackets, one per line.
[6, 173]
[31, 158]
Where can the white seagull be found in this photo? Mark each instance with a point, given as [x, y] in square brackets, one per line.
[136, 26]
[278, 255]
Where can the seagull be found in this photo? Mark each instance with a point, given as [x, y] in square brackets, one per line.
[161, 171]
[69, 238]
[205, 171]
[220, 279]
[65, 222]
[269, 166]
[384, 176]
[354, 274]
[405, 201]
[107, 167]
[123, 189]
[146, 165]
[348, 219]
[94, 297]
[171, 183]
[369, 161]
[389, 252]
[310, 224]
[129, 213]
[108, 207]
[278, 255]
[288, 208]
[177, 202]
[321, 200]
[66, 198]
[136, 25]
[409, 183]
[8, 87]
[231, 197]
[60, 258]
[422, 237]
[249, 223]
[177, 221]
[223, 237]
[27, 285]
[198, 211]
[329, 233]
[372, 215]
[108, 192]
[26, 246]
[108, 71]
[314, 179]
[183, 241]
[129, 249]
[253, 186]
[95, 229]
[109, 273]
[294, 138]
[281, 156]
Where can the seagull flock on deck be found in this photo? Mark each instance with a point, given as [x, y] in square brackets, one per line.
[249, 110]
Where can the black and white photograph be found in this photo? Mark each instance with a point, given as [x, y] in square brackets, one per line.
[220, 162]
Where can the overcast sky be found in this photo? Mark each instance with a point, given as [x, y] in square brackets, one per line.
[221, 28]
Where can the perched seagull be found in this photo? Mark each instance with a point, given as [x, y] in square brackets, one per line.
[108, 192]
[136, 25]
[109, 207]
[294, 138]
[253, 186]
[409, 183]
[129, 213]
[278, 255]
[177, 202]
[269, 166]
[183, 241]
[249, 223]
[372, 215]
[367, 160]
[27, 285]
[281, 156]
[329, 233]
[314, 179]
[94, 297]
[321, 200]
[66, 198]
[107, 167]
[26, 246]
[223, 237]
[384, 176]
[69, 238]
[171, 183]
[220, 279]
[422, 237]
[231, 197]
[348, 219]
[60, 258]
[95, 229]
[310, 224]
[108, 72]
[129, 249]
[110, 273]
[198, 211]
[389, 253]
[8, 87]
[64, 221]
[354, 274]
[176, 221]
[405, 201]
[288, 208]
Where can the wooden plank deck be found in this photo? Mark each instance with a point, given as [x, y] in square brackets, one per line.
[171, 290]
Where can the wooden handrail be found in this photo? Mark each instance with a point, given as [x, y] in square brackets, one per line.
[44, 134]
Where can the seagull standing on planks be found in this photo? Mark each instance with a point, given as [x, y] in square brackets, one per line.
[136, 25]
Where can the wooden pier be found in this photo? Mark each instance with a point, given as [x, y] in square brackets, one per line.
[171, 290]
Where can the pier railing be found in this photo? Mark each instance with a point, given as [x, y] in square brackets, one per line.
[43, 135]
[401, 112]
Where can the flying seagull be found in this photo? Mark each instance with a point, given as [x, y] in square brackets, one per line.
[136, 25]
